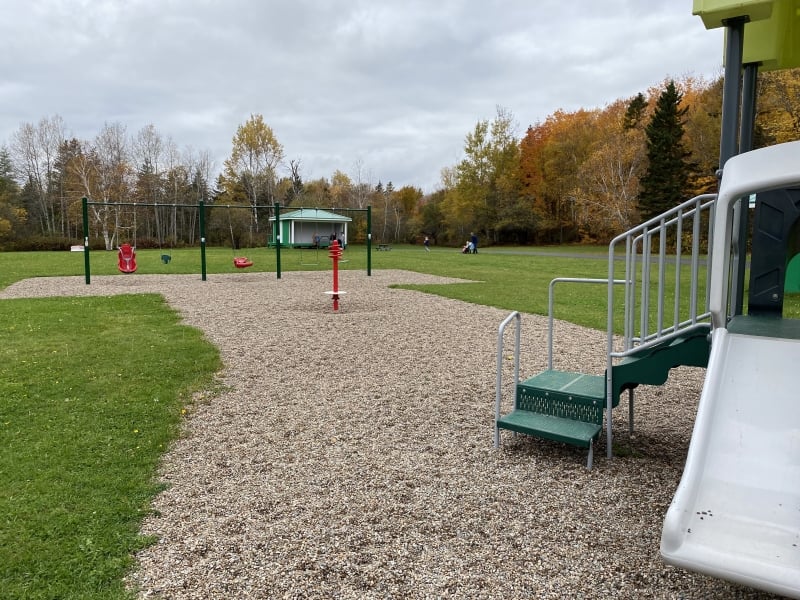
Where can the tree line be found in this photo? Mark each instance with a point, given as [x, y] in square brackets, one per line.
[588, 175]
[580, 176]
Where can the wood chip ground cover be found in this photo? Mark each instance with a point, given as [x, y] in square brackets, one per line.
[350, 454]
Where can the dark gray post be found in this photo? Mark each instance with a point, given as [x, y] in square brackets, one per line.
[748, 125]
[729, 147]
[746, 131]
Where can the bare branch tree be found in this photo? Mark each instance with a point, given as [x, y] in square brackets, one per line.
[34, 150]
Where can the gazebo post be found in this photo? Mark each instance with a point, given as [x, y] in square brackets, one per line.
[278, 239]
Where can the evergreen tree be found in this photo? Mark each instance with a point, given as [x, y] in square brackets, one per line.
[666, 181]
[7, 183]
[635, 111]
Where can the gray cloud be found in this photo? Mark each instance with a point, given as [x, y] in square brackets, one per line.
[395, 84]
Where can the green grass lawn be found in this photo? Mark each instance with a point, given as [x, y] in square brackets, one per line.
[506, 277]
[92, 392]
[84, 419]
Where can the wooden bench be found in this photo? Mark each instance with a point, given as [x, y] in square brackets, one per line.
[384, 247]
[561, 406]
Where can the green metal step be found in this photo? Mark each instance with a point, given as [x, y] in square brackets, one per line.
[559, 429]
[563, 406]
[567, 406]
[569, 383]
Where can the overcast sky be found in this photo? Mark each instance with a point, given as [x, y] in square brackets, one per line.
[393, 84]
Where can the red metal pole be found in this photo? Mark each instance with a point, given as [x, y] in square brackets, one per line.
[335, 253]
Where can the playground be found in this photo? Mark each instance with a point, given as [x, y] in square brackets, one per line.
[350, 454]
[353, 451]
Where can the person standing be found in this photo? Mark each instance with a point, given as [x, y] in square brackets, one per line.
[474, 239]
[427, 244]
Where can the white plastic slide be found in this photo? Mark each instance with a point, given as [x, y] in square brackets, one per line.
[736, 513]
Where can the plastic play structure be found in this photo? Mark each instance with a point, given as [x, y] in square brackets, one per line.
[736, 512]
[126, 256]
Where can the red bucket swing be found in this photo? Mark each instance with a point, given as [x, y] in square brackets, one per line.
[126, 253]
[126, 259]
[240, 262]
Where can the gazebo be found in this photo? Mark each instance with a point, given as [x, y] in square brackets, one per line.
[310, 227]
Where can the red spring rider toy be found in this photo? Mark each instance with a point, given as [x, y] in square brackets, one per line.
[335, 252]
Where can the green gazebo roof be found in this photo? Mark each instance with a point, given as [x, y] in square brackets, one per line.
[312, 214]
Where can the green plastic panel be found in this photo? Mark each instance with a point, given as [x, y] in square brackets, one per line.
[792, 282]
[652, 366]
[558, 405]
[775, 327]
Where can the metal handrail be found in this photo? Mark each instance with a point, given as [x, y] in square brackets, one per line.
[498, 394]
[641, 237]
[635, 339]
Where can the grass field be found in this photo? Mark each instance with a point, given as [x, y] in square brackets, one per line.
[92, 393]
[511, 278]
[84, 420]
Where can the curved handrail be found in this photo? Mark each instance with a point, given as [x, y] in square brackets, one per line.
[499, 382]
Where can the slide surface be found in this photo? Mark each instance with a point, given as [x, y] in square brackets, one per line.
[736, 512]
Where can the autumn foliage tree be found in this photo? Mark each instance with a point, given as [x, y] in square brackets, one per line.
[778, 118]
[252, 165]
[11, 215]
[484, 185]
[607, 180]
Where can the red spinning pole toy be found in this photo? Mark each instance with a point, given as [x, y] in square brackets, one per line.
[335, 253]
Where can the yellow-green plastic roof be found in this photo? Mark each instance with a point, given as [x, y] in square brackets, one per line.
[715, 12]
[775, 42]
[771, 35]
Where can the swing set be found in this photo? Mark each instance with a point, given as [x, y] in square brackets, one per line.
[126, 251]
